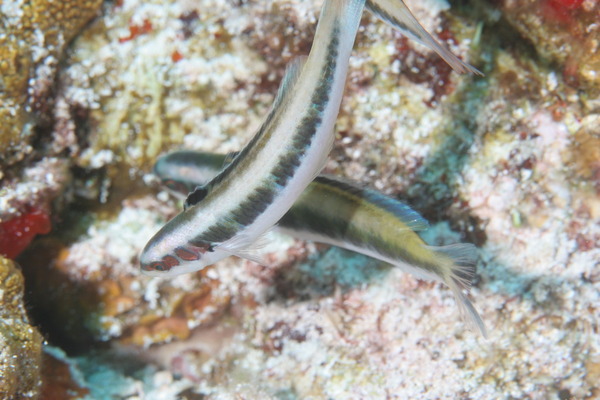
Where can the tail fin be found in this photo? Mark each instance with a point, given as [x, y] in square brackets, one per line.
[398, 15]
[464, 258]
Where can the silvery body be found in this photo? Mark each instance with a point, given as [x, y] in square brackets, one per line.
[259, 186]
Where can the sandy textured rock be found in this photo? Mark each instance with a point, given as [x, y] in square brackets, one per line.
[33, 166]
[32, 39]
[20, 342]
[113, 300]
[565, 32]
[35, 187]
[506, 161]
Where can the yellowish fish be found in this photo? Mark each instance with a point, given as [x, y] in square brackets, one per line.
[343, 214]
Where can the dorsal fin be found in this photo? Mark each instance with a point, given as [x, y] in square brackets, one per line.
[229, 158]
[195, 197]
[290, 77]
[284, 94]
[409, 217]
[412, 219]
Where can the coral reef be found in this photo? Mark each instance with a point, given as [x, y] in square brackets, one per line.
[17, 233]
[27, 200]
[136, 91]
[565, 32]
[60, 380]
[20, 342]
[508, 161]
[33, 36]
[33, 167]
[113, 300]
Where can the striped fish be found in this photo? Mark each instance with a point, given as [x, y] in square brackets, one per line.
[259, 186]
[340, 213]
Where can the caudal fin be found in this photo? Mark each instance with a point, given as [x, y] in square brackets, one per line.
[398, 15]
[464, 258]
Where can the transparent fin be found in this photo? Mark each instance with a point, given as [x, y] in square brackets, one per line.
[229, 158]
[290, 77]
[244, 241]
[251, 252]
[249, 255]
[462, 271]
[396, 14]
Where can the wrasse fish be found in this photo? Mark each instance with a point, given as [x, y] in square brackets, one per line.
[340, 213]
[274, 168]
[259, 186]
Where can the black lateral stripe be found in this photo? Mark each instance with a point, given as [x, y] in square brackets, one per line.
[308, 216]
[263, 195]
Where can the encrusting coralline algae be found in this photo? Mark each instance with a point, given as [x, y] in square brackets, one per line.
[500, 158]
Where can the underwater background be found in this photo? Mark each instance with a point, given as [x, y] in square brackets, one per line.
[92, 92]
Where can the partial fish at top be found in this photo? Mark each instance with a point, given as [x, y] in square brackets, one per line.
[398, 15]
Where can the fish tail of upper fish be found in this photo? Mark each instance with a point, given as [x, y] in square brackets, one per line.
[398, 15]
[459, 262]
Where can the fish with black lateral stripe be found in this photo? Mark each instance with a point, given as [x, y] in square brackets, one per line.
[263, 181]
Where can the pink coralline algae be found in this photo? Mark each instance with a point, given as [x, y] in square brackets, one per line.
[18, 232]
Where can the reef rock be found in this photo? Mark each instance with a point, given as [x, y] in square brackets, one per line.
[564, 31]
[20, 342]
[33, 36]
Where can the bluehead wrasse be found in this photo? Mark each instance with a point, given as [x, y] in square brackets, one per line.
[398, 15]
[263, 181]
[343, 214]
